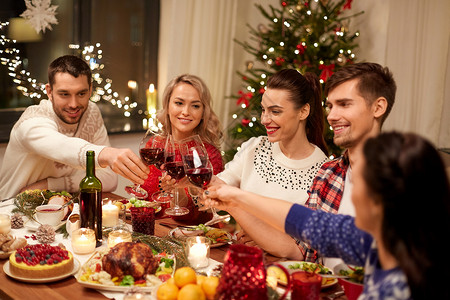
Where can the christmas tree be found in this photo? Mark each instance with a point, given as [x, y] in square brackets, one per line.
[310, 36]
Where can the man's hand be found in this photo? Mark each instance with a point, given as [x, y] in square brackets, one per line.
[125, 163]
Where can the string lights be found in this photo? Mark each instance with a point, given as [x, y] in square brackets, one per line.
[92, 54]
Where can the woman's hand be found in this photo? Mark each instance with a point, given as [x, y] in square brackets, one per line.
[222, 196]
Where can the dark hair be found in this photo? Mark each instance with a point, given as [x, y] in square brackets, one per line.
[71, 64]
[304, 89]
[408, 176]
[374, 81]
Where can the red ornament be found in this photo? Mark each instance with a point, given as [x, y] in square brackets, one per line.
[347, 5]
[244, 78]
[245, 122]
[244, 99]
[283, 3]
[279, 61]
[262, 90]
[301, 49]
[327, 71]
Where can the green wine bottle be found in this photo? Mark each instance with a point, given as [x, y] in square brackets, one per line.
[91, 199]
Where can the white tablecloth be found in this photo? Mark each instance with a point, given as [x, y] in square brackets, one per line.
[8, 206]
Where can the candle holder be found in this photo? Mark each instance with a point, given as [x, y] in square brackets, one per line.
[110, 215]
[83, 241]
[118, 236]
[197, 251]
[5, 223]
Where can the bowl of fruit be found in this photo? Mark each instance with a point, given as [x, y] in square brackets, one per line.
[124, 205]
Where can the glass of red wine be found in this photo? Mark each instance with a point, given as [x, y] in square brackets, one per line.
[173, 165]
[199, 170]
[151, 151]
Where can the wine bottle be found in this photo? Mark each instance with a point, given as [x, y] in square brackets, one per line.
[91, 199]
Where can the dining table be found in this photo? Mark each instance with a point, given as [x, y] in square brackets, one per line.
[69, 288]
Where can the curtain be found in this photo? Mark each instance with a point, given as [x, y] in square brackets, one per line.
[196, 37]
[417, 51]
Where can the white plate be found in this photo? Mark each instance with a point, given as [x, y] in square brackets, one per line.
[329, 281]
[181, 238]
[33, 225]
[76, 267]
[111, 288]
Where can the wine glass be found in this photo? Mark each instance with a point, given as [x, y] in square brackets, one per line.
[151, 151]
[173, 165]
[199, 170]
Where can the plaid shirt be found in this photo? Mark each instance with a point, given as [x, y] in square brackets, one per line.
[326, 194]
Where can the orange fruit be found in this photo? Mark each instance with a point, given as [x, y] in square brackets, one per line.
[184, 275]
[171, 280]
[200, 279]
[191, 292]
[209, 286]
[167, 291]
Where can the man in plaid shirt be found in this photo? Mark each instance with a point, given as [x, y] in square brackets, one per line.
[359, 99]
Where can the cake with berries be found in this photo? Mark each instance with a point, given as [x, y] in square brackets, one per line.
[38, 261]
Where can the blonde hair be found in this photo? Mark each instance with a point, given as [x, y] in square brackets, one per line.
[209, 128]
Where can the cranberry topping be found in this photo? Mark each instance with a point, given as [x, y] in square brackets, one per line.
[41, 254]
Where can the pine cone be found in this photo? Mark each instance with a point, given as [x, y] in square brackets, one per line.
[16, 221]
[45, 234]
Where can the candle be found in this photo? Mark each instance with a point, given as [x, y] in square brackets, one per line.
[110, 215]
[151, 99]
[83, 241]
[118, 236]
[198, 251]
[5, 223]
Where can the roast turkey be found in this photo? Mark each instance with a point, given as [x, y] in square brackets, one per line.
[130, 258]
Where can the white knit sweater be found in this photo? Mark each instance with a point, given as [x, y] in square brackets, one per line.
[42, 146]
[261, 167]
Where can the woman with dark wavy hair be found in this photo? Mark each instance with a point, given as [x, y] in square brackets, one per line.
[283, 163]
[401, 195]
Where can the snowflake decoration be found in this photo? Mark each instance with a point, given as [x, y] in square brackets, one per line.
[40, 14]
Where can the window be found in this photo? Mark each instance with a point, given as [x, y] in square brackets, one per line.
[124, 38]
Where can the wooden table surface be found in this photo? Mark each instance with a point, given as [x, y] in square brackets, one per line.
[69, 288]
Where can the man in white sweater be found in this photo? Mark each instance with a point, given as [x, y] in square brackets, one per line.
[48, 144]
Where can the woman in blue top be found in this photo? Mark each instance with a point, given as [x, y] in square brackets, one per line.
[402, 201]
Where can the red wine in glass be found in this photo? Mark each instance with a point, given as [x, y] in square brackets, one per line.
[175, 169]
[200, 177]
[153, 156]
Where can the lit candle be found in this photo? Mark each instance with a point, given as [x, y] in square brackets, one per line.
[5, 223]
[110, 215]
[198, 251]
[118, 236]
[151, 98]
[83, 241]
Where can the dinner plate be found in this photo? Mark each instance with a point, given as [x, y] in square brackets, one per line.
[326, 282]
[76, 267]
[33, 225]
[105, 287]
[173, 231]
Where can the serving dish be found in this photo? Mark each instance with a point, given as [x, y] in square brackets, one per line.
[302, 266]
[76, 267]
[96, 258]
[182, 233]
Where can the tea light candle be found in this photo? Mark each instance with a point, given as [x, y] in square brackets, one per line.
[118, 236]
[5, 223]
[198, 251]
[83, 241]
[110, 215]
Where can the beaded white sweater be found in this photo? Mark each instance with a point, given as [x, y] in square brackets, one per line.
[42, 146]
[261, 167]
